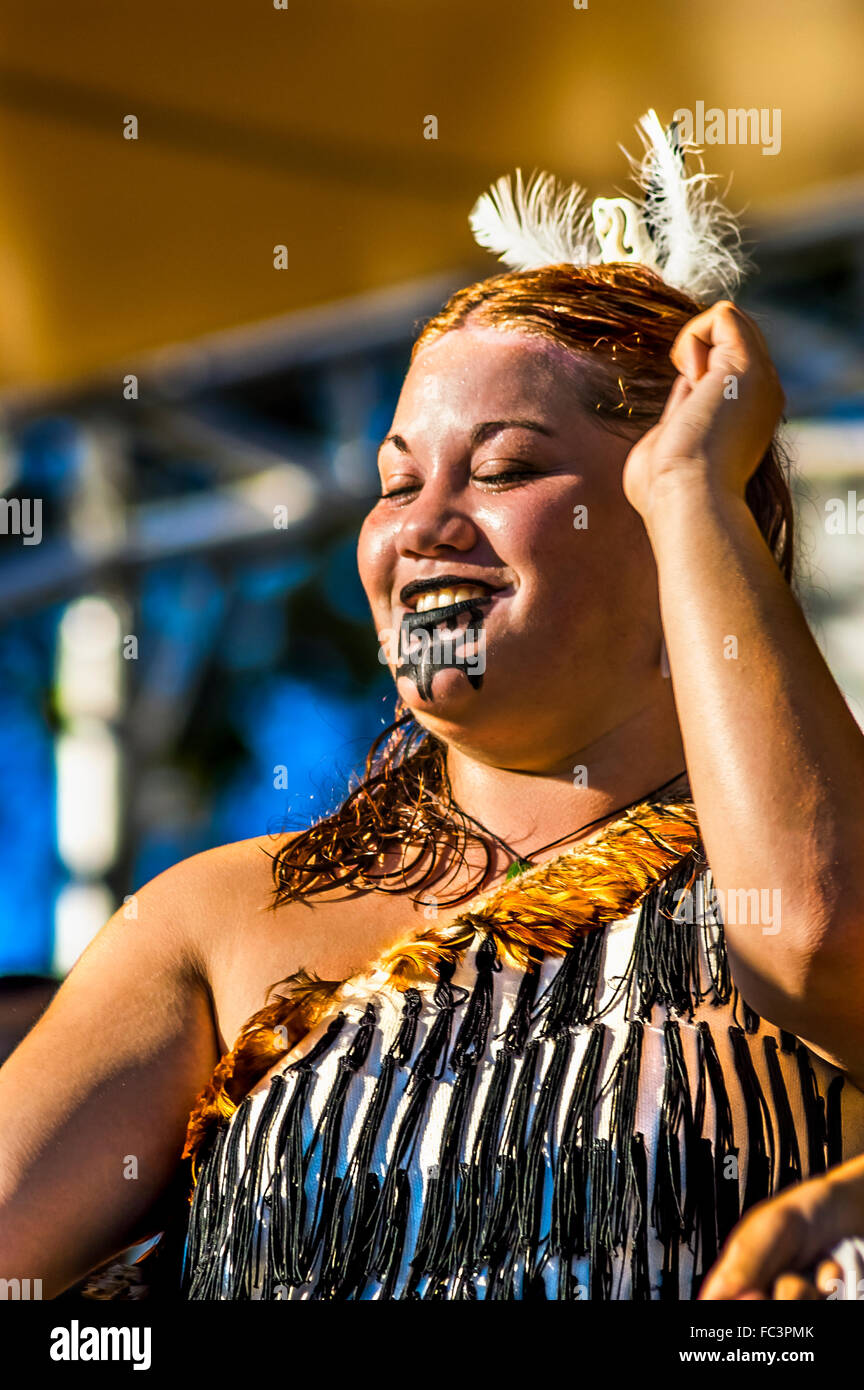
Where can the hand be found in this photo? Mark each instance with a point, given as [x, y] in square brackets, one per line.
[771, 1251]
[720, 414]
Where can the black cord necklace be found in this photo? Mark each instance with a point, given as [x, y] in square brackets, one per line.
[521, 862]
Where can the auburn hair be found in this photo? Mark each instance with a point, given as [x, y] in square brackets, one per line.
[399, 830]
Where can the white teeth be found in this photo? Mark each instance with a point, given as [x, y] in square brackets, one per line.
[445, 597]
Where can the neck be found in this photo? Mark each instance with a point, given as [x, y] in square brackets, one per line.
[530, 809]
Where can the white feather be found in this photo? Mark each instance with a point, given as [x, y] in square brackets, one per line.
[543, 222]
[696, 243]
[697, 239]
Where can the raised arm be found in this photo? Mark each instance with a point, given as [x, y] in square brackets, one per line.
[94, 1101]
[776, 760]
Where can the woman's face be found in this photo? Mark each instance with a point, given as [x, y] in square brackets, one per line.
[497, 481]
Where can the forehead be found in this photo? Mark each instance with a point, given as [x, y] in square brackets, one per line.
[472, 369]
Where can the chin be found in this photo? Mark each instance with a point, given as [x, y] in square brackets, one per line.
[455, 702]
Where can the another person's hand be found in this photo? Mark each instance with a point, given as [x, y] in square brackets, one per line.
[781, 1249]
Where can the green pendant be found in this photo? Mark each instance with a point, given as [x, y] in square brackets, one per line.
[516, 868]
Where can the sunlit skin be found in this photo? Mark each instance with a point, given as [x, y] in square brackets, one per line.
[574, 677]
[775, 760]
[573, 638]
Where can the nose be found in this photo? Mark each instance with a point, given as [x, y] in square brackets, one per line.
[435, 523]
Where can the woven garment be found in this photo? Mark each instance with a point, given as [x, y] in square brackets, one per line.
[588, 1124]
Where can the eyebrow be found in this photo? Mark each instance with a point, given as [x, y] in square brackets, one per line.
[480, 433]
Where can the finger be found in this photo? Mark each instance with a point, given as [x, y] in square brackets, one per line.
[760, 1248]
[829, 1276]
[722, 335]
[679, 392]
[720, 320]
[794, 1288]
[690, 354]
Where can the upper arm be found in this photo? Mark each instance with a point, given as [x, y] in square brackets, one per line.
[94, 1101]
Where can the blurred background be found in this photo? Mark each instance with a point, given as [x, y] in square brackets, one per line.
[176, 670]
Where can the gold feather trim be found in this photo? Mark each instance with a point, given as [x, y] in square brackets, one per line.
[595, 884]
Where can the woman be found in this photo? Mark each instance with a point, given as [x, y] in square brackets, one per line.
[507, 1058]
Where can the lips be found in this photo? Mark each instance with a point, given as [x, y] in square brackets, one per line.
[445, 598]
[444, 591]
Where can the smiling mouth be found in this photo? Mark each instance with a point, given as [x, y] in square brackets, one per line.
[448, 597]
[444, 595]
[433, 638]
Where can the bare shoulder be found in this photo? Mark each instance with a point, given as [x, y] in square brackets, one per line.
[222, 905]
[204, 898]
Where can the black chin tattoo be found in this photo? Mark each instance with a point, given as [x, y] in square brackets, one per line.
[423, 650]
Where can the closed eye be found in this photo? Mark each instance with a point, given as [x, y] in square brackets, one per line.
[515, 473]
[400, 491]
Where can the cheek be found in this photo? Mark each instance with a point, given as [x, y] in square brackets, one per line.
[591, 557]
[375, 559]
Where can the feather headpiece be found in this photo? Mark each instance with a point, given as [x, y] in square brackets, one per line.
[679, 228]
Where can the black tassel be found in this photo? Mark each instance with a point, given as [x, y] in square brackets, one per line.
[624, 1086]
[533, 1176]
[393, 1209]
[750, 1019]
[667, 1208]
[571, 996]
[714, 940]
[518, 1025]
[206, 1281]
[788, 1153]
[814, 1112]
[439, 1207]
[208, 1199]
[393, 1228]
[640, 1279]
[701, 1184]
[760, 1133]
[322, 1155]
[469, 1049]
[667, 946]
[246, 1227]
[600, 1241]
[286, 1195]
[569, 1234]
[834, 1121]
[478, 1175]
[499, 1236]
[345, 1268]
[725, 1151]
